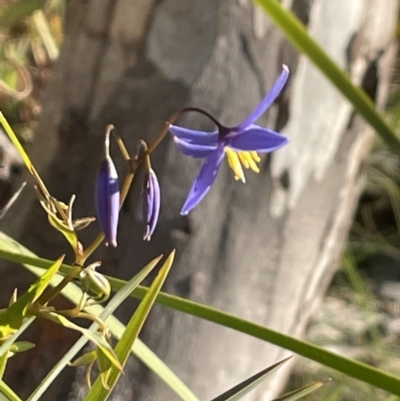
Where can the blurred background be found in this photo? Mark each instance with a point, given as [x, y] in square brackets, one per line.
[360, 313]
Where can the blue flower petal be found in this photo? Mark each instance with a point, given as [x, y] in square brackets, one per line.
[108, 200]
[151, 203]
[193, 136]
[257, 139]
[204, 180]
[266, 102]
[190, 149]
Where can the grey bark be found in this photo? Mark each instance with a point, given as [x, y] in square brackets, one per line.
[265, 250]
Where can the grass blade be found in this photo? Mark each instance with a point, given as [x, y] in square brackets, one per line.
[358, 370]
[297, 33]
[301, 392]
[15, 252]
[123, 348]
[8, 392]
[118, 298]
[240, 390]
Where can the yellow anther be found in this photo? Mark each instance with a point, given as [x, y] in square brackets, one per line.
[255, 156]
[249, 160]
[244, 159]
[234, 164]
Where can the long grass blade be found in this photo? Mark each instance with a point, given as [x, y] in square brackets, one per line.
[297, 33]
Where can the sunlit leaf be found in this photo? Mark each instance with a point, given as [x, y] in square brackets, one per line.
[297, 33]
[240, 390]
[85, 359]
[7, 391]
[12, 319]
[149, 358]
[124, 346]
[21, 346]
[69, 234]
[301, 392]
[3, 363]
[93, 336]
[13, 251]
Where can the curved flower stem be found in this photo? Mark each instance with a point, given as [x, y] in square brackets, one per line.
[135, 164]
[84, 315]
[174, 117]
[120, 142]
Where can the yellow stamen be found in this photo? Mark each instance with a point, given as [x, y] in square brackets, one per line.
[244, 159]
[255, 156]
[249, 160]
[234, 164]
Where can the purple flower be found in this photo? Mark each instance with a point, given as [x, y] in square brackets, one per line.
[108, 200]
[151, 203]
[240, 144]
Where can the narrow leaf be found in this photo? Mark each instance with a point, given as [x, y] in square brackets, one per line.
[301, 392]
[124, 346]
[93, 336]
[297, 33]
[240, 390]
[85, 359]
[69, 234]
[117, 328]
[356, 369]
[8, 392]
[12, 319]
[11, 250]
[3, 364]
[21, 346]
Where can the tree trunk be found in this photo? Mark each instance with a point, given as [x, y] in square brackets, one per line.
[266, 250]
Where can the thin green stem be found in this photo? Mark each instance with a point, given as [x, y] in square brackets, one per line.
[23, 154]
[8, 392]
[50, 295]
[120, 142]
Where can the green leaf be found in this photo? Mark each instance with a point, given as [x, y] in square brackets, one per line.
[21, 346]
[240, 390]
[11, 320]
[93, 336]
[18, 10]
[149, 358]
[301, 392]
[11, 250]
[8, 392]
[358, 370]
[297, 33]
[104, 368]
[5, 346]
[124, 346]
[3, 363]
[69, 234]
[85, 359]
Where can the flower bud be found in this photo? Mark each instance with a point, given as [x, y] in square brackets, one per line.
[151, 203]
[108, 198]
[95, 284]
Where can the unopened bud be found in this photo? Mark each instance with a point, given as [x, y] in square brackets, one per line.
[151, 203]
[108, 198]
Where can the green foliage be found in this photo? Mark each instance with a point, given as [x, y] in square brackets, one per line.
[297, 33]
[86, 287]
[18, 10]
